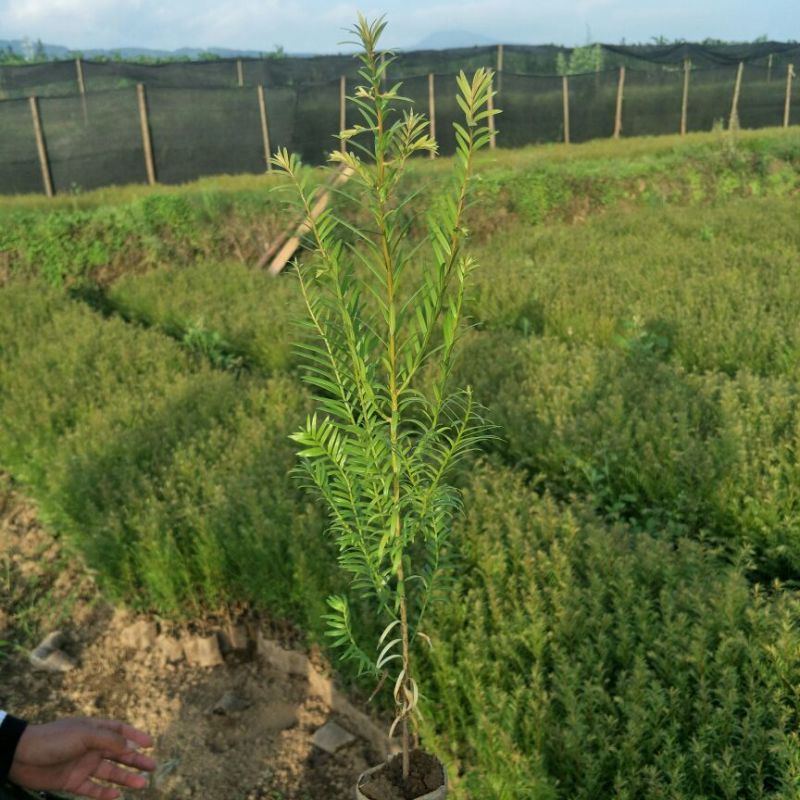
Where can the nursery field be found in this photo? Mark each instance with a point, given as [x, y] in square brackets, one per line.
[623, 617]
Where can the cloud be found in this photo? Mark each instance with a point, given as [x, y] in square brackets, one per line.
[317, 26]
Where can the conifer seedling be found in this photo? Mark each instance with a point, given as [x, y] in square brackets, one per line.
[384, 316]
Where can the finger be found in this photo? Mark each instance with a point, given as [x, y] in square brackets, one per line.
[141, 738]
[106, 771]
[96, 791]
[135, 760]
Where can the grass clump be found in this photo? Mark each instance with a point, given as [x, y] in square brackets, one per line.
[714, 288]
[244, 313]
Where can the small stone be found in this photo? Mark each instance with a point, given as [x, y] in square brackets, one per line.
[234, 638]
[230, 703]
[322, 687]
[52, 641]
[280, 716]
[48, 656]
[332, 737]
[54, 661]
[280, 659]
[120, 618]
[202, 651]
[170, 648]
[139, 636]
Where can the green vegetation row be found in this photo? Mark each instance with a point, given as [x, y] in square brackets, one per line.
[650, 362]
[647, 360]
[583, 661]
[100, 235]
[170, 477]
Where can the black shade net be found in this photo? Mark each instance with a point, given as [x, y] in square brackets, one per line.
[203, 122]
[762, 97]
[711, 98]
[93, 141]
[652, 102]
[44, 80]
[204, 132]
[592, 105]
[61, 77]
[19, 167]
[183, 74]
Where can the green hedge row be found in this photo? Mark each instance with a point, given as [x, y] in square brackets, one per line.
[647, 359]
[232, 313]
[711, 289]
[579, 661]
[106, 234]
[68, 245]
[705, 455]
[172, 478]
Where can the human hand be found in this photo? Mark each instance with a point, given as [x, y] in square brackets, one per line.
[70, 755]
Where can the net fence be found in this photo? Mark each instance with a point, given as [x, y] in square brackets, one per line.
[92, 141]
[205, 119]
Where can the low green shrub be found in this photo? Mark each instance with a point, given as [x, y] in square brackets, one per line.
[229, 309]
[169, 476]
[717, 286]
[101, 235]
[708, 455]
[68, 245]
[574, 660]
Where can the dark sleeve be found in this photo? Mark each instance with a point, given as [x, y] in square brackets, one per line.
[11, 731]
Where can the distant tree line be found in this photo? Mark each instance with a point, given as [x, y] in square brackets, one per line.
[35, 53]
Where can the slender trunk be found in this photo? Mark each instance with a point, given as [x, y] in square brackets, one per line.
[406, 679]
[394, 424]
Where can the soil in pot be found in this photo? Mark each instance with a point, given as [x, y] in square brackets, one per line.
[425, 775]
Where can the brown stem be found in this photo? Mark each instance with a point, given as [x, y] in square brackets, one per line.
[406, 665]
[395, 408]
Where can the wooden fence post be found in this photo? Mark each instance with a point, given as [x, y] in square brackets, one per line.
[262, 107]
[432, 109]
[79, 74]
[146, 140]
[500, 55]
[82, 89]
[620, 94]
[239, 72]
[490, 106]
[41, 147]
[734, 120]
[565, 97]
[343, 109]
[787, 106]
[687, 71]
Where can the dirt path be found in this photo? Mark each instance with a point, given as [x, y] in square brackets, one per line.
[240, 730]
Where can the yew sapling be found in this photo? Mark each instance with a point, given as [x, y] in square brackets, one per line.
[383, 320]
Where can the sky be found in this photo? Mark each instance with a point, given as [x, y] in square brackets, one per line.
[315, 26]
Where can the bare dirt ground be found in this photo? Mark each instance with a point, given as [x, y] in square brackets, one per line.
[240, 730]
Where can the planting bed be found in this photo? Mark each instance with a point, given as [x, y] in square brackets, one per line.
[623, 621]
[259, 738]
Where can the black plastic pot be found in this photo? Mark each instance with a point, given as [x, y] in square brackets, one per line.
[440, 793]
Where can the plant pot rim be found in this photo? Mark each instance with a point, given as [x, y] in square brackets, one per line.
[439, 793]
